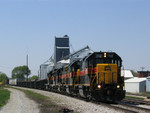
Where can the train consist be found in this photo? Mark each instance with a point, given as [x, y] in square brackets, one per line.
[85, 73]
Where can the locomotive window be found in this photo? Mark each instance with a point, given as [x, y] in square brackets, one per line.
[103, 61]
[98, 56]
[116, 62]
[119, 63]
[110, 55]
[107, 61]
[112, 61]
[99, 61]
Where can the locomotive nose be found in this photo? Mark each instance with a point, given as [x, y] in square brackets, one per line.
[106, 73]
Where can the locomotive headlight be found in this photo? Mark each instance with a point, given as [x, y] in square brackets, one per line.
[118, 86]
[105, 55]
[99, 86]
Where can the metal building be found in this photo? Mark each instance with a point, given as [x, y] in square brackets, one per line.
[148, 84]
[43, 71]
[62, 48]
[143, 74]
[62, 56]
[135, 85]
[127, 74]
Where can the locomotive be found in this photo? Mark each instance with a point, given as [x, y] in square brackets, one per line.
[97, 75]
[84, 73]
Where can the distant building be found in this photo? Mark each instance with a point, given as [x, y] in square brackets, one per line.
[135, 85]
[43, 71]
[143, 74]
[148, 84]
[127, 74]
[61, 50]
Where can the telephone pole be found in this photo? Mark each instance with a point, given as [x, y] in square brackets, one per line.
[27, 65]
[142, 68]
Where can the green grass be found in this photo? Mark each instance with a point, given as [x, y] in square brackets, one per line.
[35, 95]
[32, 94]
[46, 105]
[140, 94]
[132, 97]
[4, 96]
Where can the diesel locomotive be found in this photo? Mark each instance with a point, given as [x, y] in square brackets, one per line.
[84, 73]
[96, 76]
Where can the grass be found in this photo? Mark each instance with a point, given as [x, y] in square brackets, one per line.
[46, 105]
[140, 94]
[4, 96]
[35, 95]
[132, 97]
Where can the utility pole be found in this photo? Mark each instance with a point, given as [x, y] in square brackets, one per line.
[27, 65]
[142, 68]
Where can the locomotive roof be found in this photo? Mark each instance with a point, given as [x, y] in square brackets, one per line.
[115, 54]
[110, 53]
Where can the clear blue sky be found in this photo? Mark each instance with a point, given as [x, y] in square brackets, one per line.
[122, 26]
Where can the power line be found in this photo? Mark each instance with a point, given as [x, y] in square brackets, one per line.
[6, 67]
[142, 68]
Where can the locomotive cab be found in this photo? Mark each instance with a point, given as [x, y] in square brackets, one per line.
[105, 76]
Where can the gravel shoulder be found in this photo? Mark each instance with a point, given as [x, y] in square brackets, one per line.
[19, 103]
[76, 105]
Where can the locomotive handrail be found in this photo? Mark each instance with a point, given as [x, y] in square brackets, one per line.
[92, 78]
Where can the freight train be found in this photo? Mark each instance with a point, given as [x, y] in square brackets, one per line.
[88, 74]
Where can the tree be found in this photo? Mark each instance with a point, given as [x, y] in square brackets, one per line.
[21, 72]
[3, 78]
[34, 77]
[134, 73]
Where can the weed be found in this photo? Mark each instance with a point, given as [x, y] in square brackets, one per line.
[4, 96]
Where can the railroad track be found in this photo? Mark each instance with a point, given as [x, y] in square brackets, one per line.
[116, 107]
[119, 106]
[132, 107]
[136, 101]
[124, 107]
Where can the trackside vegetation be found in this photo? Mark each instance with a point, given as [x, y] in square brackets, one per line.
[3, 78]
[134, 97]
[4, 96]
[139, 94]
[46, 105]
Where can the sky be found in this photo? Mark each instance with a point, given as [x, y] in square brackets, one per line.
[29, 26]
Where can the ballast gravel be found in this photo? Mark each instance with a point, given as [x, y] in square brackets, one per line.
[19, 103]
[74, 104]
